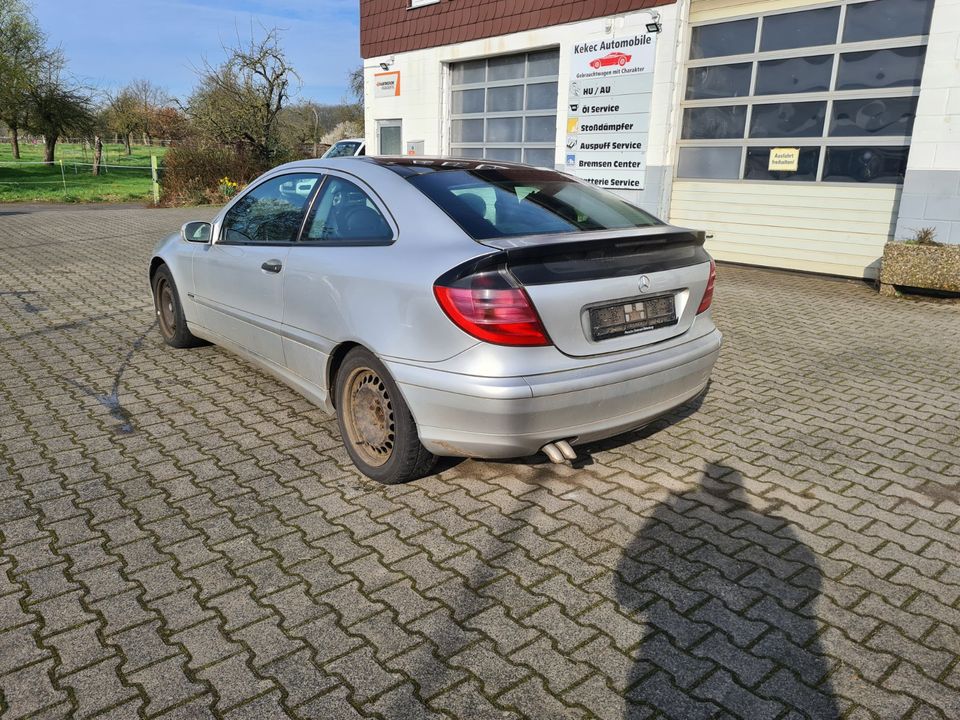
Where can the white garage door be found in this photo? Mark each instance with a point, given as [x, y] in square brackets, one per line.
[505, 108]
[796, 127]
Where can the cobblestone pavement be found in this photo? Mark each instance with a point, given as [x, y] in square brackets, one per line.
[184, 537]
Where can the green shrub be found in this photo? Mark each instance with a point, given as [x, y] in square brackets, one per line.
[193, 174]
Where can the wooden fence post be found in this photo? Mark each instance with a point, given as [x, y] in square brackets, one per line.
[63, 176]
[156, 180]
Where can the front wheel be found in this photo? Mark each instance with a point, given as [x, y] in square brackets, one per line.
[170, 317]
[378, 430]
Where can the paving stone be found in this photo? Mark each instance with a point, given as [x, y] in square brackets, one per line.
[62, 612]
[233, 682]
[784, 687]
[565, 633]
[533, 699]
[386, 635]
[329, 706]
[326, 638]
[596, 698]
[467, 700]
[18, 648]
[28, 690]
[402, 702]
[907, 679]
[506, 633]
[426, 670]
[747, 667]
[79, 647]
[363, 674]
[722, 689]
[658, 692]
[98, 687]
[300, 677]
[265, 707]
[167, 684]
[205, 642]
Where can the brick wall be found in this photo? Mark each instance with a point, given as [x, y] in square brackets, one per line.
[388, 26]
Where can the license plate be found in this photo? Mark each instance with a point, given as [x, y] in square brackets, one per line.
[627, 318]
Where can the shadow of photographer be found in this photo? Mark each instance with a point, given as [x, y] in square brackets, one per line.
[724, 590]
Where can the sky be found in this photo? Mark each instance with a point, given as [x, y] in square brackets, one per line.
[111, 42]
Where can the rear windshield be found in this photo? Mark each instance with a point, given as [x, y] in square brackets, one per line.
[343, 149]
[500, 202]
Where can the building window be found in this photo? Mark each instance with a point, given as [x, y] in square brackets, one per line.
[505, 108]
[839, 84]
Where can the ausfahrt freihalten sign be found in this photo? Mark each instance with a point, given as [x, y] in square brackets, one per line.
[608, 109]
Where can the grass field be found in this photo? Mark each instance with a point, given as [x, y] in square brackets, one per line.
[26, 182]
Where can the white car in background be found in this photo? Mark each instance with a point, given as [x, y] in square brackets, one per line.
[350, 147]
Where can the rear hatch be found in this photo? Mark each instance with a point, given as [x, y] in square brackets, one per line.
[603, 275]
[610, 291]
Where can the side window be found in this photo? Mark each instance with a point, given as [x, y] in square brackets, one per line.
[271, 213]
[343, 213]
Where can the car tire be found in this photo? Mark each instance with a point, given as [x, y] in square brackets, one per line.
[377, 428]
[170, 318]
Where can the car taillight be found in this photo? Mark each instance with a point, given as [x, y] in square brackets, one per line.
[490, 307]
[708, 293]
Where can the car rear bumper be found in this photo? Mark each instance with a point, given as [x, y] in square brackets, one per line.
[471, 416]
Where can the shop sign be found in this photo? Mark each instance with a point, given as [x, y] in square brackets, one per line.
[386, 84]
[784, 159]
[608, 109]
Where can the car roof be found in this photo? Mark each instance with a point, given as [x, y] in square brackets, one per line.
[400, 166]
[398, 163]
[419, 165]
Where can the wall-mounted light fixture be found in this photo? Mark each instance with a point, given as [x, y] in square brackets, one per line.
[385, 65]
[654, 25]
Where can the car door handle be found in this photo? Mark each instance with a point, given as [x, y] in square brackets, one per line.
[272, 266]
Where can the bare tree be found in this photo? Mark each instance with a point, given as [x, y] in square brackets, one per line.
[123, 116]
[351, 107]
[171, 124]
[150, 99]
[239, 102]
[23, 54]
[306, 123]
[356, 84]
[58, 106]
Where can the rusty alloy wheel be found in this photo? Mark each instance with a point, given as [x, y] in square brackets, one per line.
[164, 300]
[368, 416]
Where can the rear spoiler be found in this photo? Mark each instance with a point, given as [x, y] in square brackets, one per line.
[569, 257]
[652, 235]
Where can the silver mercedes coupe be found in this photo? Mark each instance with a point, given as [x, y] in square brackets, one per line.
[448, 307]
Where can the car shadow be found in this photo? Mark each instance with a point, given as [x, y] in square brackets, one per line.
[681, 412]
[585, 452]
[723, 591]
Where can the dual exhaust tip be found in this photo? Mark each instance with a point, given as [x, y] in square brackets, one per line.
[559, 452]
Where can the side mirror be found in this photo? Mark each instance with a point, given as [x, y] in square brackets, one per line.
[196, 231]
